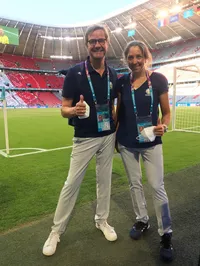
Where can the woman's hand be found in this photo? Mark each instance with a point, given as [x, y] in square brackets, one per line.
[160, 129]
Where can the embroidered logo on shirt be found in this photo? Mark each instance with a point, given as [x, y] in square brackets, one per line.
[79, 73]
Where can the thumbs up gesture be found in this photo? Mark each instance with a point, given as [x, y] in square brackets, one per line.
[80, 107]
[160, 129]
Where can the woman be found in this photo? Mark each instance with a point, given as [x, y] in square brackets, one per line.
[139, 134]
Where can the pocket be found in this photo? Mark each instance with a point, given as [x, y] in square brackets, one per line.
[77, 140]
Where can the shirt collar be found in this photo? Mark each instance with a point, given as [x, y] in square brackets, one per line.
[91, 69]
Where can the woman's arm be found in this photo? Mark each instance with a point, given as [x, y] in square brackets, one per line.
[117, 110]
[165, 110]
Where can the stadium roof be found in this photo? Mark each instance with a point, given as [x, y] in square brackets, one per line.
[32, 43]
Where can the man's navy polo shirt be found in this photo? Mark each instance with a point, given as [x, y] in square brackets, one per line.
[127, 131]
[76, 84]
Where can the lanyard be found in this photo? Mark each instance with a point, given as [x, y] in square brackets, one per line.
[133, 93]
[91, 86]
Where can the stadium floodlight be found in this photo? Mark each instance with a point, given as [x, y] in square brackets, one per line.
[3, 99]
[48, 37]
[72, 38]
[174, 39]
[163, 13]
[61, 57]
[131, 26]
[117, 30]
[176, 9]
[67, 38]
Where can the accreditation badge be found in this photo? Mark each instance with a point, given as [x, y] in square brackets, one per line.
[142, 123]
[103, 117]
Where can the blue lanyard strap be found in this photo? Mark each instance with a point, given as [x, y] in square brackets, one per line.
[133, 93]
[91, 86]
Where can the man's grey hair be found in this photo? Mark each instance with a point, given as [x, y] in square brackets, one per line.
[94, 28]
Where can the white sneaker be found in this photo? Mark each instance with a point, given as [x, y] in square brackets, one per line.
[108, 231]
[50, 245]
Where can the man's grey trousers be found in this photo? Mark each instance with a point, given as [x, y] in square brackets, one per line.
[84, 149]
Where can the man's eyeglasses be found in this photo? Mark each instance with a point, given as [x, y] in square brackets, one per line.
[94, 41]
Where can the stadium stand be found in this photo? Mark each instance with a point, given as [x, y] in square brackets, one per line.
[48, 98]
[17, 61]
[191, 47]
[40, 85]
[55, 65]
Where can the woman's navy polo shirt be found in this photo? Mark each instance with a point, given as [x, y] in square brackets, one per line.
[76, 84]
[127, 131]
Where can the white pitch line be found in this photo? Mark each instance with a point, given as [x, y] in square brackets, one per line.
[23, 154]
[35, 152]
[186, 131]
[189, 128]
[14, 149]
[3, 153]
[61, 148]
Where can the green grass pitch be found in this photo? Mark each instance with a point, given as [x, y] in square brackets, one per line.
[30, 185]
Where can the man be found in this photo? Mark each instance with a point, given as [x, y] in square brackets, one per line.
[89, 85]
[3, 38]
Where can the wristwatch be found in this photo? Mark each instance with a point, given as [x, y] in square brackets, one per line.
[165, 128]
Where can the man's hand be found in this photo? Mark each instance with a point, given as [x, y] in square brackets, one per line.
[80, 107]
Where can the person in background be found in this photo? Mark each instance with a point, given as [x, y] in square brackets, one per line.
[3, 38]
[139, 135]
[88, 92]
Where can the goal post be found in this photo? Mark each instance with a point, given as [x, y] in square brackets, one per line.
[5, 119]
[185, 98]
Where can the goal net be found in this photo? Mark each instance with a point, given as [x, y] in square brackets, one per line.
[184, 95]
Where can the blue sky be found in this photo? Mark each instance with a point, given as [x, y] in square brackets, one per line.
[61, 12]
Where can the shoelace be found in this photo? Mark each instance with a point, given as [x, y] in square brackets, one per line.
[105, 224]
[52, 236]
[140, 226]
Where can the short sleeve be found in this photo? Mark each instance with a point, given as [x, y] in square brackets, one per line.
[162, 83]
[69, 87]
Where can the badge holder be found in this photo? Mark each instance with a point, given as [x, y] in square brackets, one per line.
[145, 127]
[143, 123]
[103, 117]
[102, 110]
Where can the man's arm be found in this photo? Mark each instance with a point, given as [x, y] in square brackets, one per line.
[68, 111]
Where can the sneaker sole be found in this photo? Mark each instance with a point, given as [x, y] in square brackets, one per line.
[48, 254]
